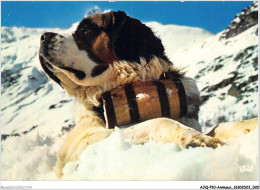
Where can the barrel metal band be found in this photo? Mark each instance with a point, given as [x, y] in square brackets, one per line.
[111, 116]
[133, 107]
[165, 106]
[182, 97]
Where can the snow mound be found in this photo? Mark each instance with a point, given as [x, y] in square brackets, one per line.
[28, 157]
[115, 158]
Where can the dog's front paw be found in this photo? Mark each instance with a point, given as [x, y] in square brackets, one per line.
[203, 141]
[228, 130]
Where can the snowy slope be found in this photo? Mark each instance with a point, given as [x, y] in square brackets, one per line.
[27, 94]
[176, 37]
[226, 70]
[36, 114]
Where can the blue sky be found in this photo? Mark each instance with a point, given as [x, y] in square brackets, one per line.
[213, 16]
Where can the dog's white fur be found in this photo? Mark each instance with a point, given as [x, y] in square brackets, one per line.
[71, 56]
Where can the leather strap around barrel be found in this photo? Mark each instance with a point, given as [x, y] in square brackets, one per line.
[181, 91]
[165, 106]
[182, 97]
[110, 112]
[131, 99]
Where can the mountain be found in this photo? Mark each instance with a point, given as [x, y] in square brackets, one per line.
[95, 10]
[176, 37]
[27, 93]
[225, 67]
[243, 21]
[36, 114]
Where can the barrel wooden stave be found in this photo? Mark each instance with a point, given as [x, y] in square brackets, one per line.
[173, 98]
[147, 100]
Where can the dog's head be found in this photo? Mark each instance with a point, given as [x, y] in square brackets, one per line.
[98, 41]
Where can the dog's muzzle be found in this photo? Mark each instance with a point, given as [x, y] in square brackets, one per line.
[48, 56]
[48, 41]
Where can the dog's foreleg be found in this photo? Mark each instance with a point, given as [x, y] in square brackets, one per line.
[87, 131]
[169, 131]
[228, 130]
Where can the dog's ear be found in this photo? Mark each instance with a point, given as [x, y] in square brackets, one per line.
[134, 39]
[94, 34]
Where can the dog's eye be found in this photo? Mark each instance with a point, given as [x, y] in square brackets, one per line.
[82, 29]
[85, 29]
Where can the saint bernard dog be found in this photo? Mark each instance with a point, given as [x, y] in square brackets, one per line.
[106, 51]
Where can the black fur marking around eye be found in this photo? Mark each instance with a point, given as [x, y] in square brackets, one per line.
[79, 74]
[84, 40]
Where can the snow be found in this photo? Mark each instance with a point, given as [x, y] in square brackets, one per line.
[115, 158]
[176, 35]
[214, 61]
[29, 157]
[30, 84]
[210, 49]
[38, 113]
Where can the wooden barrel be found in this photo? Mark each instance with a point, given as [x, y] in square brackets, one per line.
[141, 101]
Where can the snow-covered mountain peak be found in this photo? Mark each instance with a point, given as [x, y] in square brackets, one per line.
[243, 21]
[95, 10]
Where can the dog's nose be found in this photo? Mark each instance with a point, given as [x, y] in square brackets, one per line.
[47, 36]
